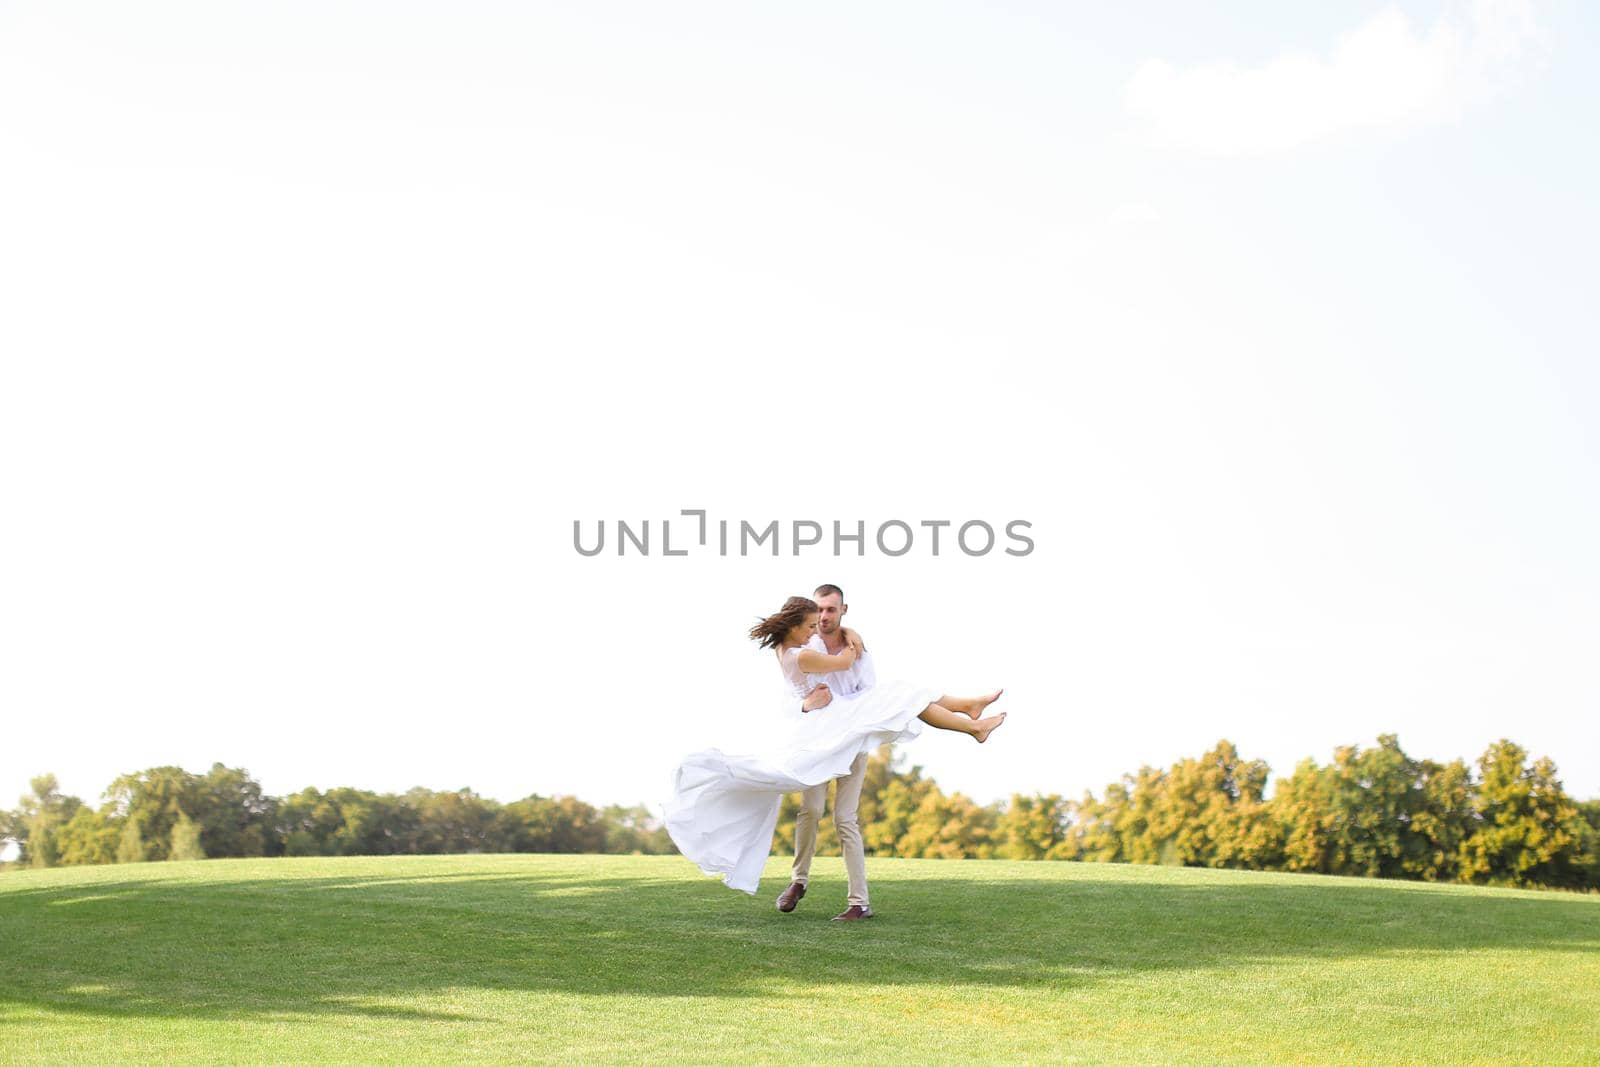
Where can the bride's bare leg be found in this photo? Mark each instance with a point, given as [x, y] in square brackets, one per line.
[941, 717]
[972, 706]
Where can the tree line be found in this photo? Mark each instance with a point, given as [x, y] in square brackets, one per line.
[1374, 812]
[168, 813]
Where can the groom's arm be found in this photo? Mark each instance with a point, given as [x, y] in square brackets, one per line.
[862, 675]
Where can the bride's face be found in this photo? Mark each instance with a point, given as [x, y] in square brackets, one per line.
[802, 633]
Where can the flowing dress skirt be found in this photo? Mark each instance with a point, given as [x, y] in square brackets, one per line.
[724, 808]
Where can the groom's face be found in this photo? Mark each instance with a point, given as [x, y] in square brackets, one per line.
[830, 612]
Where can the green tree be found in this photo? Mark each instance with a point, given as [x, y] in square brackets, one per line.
[307, 823]
[552, 824]
[635, 830]
[10, 828]
[948, 827]
[1093, 834]
[452, 822]
[154, 798]
[1589, 842]
[130, 843]
[1442, 821]
[39, 817]
[87, 838]
[345, 822]
[1306, 807]
[236, 818]
[1131, 816]
[1374, 812]
[1199, 812]
[1377, 794]
[185, 839]
[898, 803]
[1033, 828]
[1208, 812]
[1527, 829]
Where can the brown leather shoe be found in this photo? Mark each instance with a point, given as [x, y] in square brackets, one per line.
[791, 896]
[852, 913]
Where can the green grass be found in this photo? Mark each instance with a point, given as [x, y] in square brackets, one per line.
[641, 958]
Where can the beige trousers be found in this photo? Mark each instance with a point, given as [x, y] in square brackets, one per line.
[813, 802]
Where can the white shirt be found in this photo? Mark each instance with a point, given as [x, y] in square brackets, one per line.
[858, 676]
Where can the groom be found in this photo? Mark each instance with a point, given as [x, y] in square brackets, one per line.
[831, 639]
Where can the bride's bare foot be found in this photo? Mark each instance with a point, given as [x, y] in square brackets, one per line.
[985, 727]
[979, 703]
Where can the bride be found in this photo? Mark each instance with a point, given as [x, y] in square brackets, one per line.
[724, 808]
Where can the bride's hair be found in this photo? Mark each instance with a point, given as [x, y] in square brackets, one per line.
[771, 630]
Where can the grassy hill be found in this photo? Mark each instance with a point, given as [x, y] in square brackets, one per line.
[596, 958]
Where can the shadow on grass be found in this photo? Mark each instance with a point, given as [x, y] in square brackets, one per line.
[254, 945]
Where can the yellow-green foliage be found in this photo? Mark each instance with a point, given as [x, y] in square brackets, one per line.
[1373, 812]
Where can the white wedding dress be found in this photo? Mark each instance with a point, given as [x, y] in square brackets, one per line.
[724, 808]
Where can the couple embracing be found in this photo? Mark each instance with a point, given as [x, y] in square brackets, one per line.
[724, 808]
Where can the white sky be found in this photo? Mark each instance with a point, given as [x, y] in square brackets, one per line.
[320, 323]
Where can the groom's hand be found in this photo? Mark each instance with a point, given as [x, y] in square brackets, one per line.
[820, 697]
